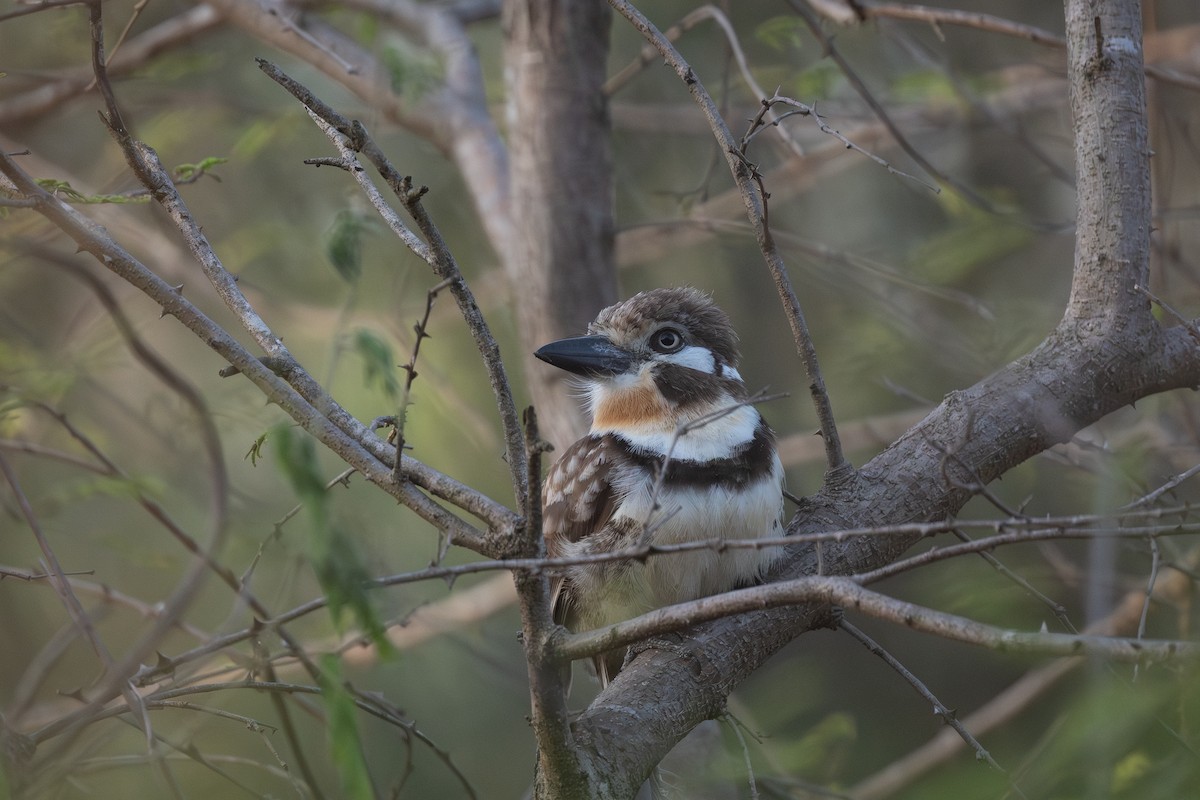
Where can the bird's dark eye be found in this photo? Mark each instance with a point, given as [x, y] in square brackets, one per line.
[667, 340]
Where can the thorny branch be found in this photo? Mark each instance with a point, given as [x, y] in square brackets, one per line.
[761, 121]
[421, 328]
[849, 594]
[947, 715]
[831, 50]
[1030, 531]
[435, 252]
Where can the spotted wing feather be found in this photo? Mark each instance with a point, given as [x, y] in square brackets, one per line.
[578, 499]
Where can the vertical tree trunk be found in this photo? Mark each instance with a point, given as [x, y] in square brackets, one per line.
[1112, 166]
[560, 263]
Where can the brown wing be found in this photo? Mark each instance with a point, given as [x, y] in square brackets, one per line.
[577, 501]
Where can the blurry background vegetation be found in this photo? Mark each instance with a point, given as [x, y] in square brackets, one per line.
[910, 295]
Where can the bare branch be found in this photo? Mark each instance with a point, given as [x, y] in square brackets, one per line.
[947, 715]
[860, 86]
[1009, 703]
[356, 451]
[849, 594]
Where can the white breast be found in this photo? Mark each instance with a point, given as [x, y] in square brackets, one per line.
[750, 512]
[713, 439]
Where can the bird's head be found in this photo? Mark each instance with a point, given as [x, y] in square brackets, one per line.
[660, 358]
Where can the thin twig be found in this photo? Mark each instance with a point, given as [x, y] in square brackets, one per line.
[736, 726]
[62, 586]
[1056, 608]
[1192, 326]
[675, 32]
[303, 401]
[1161, 490]
[954, 16]
[1150, 582]
[947, 715]
[116, 680]
[1006, 705]
[410, 372]
[803, 109]
[814, 25]
[138, 50]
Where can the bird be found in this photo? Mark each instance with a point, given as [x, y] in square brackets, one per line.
[676, 453]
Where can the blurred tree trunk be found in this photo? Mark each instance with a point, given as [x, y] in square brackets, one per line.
[560, 263]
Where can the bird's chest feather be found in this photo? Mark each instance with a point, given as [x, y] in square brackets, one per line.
[684, 514]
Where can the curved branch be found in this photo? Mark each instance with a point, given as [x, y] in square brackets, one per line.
[850, 595]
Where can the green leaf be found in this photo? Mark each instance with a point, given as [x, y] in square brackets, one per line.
[256, 137]
[345, 745]
[344, 245]
[414, 74]
[187, 172]
[297, 458]
[1130, 770]
[338, 563]
[255, 451]
[781, 32]
[925, 86]
[975, 237]
[379, 367]
[818, 82]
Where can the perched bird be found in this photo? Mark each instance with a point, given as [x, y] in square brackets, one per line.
[662, 385]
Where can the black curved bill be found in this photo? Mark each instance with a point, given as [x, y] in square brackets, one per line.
[586, 355]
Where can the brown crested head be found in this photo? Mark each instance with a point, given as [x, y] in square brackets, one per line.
[696, 316]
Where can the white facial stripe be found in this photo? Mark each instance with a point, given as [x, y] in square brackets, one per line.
[716, 439]
[700, 359]
[731, 373]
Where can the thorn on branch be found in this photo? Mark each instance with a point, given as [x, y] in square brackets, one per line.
[410, 369]
[413, 194]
